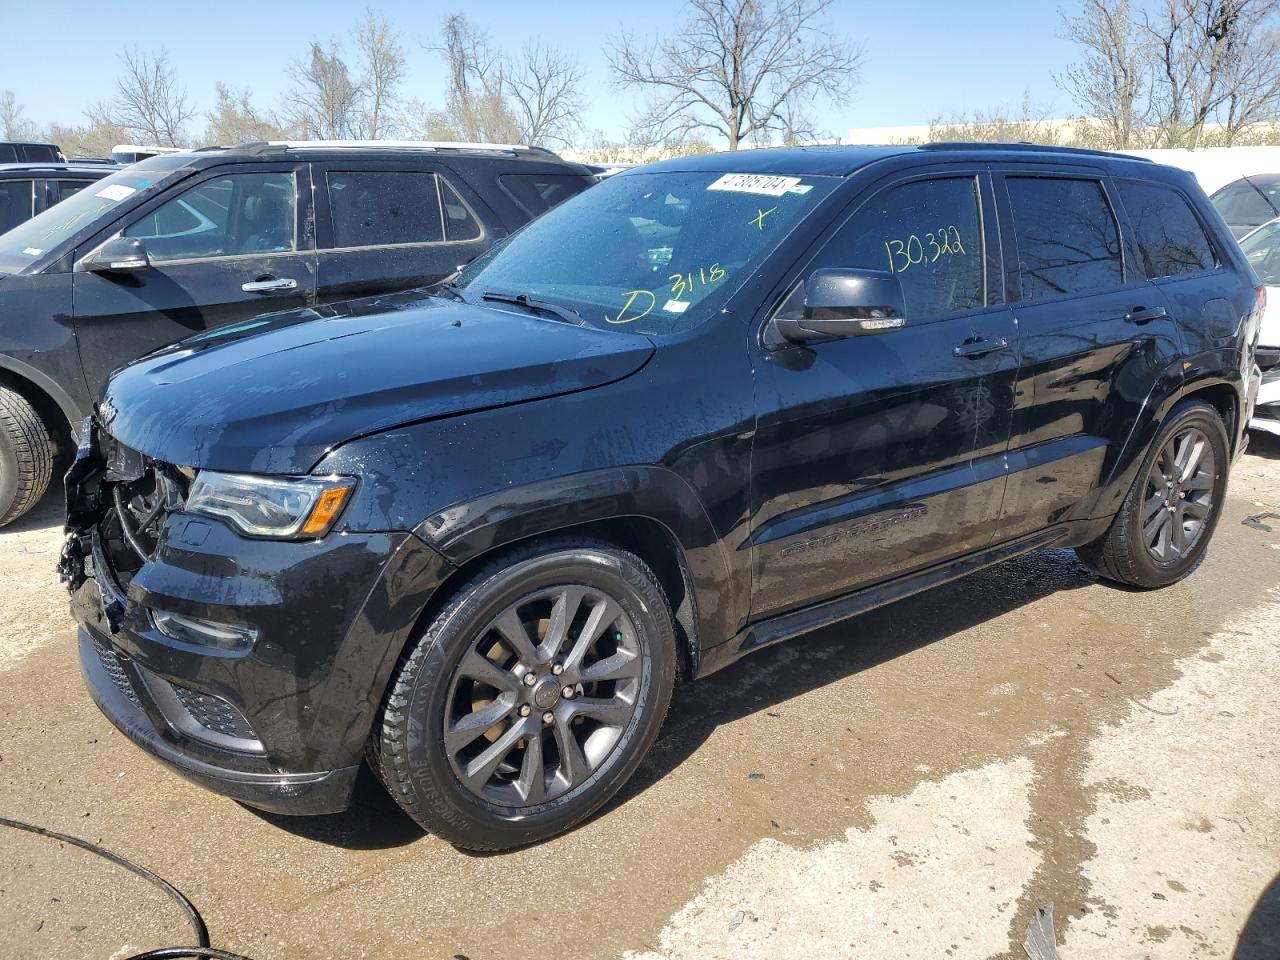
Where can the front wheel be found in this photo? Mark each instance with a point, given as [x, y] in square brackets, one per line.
[531, 698]
[26, 456]
[1163, 528]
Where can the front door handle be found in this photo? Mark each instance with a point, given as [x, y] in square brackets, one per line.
[1141, 315]
[973, 349]
[269, 286]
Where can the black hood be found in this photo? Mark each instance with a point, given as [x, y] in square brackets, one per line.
[277, 393]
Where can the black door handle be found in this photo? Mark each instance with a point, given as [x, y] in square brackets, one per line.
[973, 349]
[1141, 315]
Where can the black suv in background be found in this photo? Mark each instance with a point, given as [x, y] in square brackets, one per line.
[701, 408]
[26, 151]
[27, 189]
[181, 243]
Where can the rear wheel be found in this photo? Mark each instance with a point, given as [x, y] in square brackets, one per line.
[1163, 528]
[531, 698]
[26, 456]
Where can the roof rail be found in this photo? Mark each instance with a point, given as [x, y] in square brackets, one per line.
[258, 147]
[1024, 146]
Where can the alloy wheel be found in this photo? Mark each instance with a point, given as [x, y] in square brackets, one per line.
[541, 697]
[1179, 495]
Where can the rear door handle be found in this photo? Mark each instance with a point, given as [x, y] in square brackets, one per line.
[269, 286]
[1141, 315]
[980, 348]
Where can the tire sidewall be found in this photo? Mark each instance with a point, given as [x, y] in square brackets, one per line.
[429, 774]
[9, 472]
[1210, 422]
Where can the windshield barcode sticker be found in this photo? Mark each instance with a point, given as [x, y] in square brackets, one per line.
[116, 192]
[768, 185]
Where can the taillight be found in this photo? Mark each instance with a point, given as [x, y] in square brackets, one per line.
[1260, 298]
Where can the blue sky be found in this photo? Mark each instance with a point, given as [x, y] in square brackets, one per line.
[923, 57]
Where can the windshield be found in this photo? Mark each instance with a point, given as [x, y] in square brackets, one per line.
[648, 253]
[28, 241]
[1262, 249]
[1251, 201]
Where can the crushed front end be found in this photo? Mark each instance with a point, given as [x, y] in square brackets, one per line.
[252, 667]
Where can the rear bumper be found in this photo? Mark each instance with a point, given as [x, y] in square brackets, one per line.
[312, 792]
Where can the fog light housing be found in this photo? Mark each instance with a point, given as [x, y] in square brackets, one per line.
[198, 632]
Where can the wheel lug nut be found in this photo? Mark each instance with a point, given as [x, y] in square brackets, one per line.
[548, 717]
[530, 679]
[568, 692]
[557, 669]
[524, 710]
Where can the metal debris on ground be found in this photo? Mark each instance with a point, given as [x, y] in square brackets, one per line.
[1041, 943]
[1256, 521]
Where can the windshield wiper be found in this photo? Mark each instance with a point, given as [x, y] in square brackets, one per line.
[1265, 198]
[537, 305]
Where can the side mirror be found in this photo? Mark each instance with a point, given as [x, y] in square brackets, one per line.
[119, 255]
[841, 302]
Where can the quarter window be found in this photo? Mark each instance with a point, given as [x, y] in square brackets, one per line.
[1169, 236]
[538, 193]
[928, 233]
[1068, 242]
[246, 213]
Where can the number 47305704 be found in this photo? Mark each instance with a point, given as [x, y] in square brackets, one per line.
[905, 254]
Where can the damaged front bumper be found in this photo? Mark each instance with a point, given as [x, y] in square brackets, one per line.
[282, 725]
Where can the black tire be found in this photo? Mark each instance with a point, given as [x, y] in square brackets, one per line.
[432, 680]
[1122, 553]
[26, 456]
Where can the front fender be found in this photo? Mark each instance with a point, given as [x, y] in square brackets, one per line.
[462, 532]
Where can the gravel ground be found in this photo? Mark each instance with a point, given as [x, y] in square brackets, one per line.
[911, 784]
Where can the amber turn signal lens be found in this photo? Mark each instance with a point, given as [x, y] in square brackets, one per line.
[327, 508]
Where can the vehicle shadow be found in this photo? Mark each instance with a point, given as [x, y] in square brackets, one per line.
[48, 512]
[759, 682]
[1260, 938]
[1264, 445]
[773, 676]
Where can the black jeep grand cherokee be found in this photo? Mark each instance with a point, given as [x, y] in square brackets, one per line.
[701, 408]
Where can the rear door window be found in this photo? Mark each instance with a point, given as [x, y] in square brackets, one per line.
[1169, 236]
[236, 215]
[378, 208]
[539, 192]
[17, 202]
[1068, 241]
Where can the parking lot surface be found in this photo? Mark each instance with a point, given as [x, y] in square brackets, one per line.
[911, 784]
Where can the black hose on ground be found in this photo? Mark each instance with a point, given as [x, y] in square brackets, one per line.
[201, 950]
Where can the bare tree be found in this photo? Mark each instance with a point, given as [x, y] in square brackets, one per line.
[234, 119]
[384, 68]
[324, 102]
[150, 105]
[475, 106]
[544, 93]
[13, 125]
[737, 69]
[1178, 73]
[1111, 81]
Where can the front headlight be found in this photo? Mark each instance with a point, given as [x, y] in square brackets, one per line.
[280, 507]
